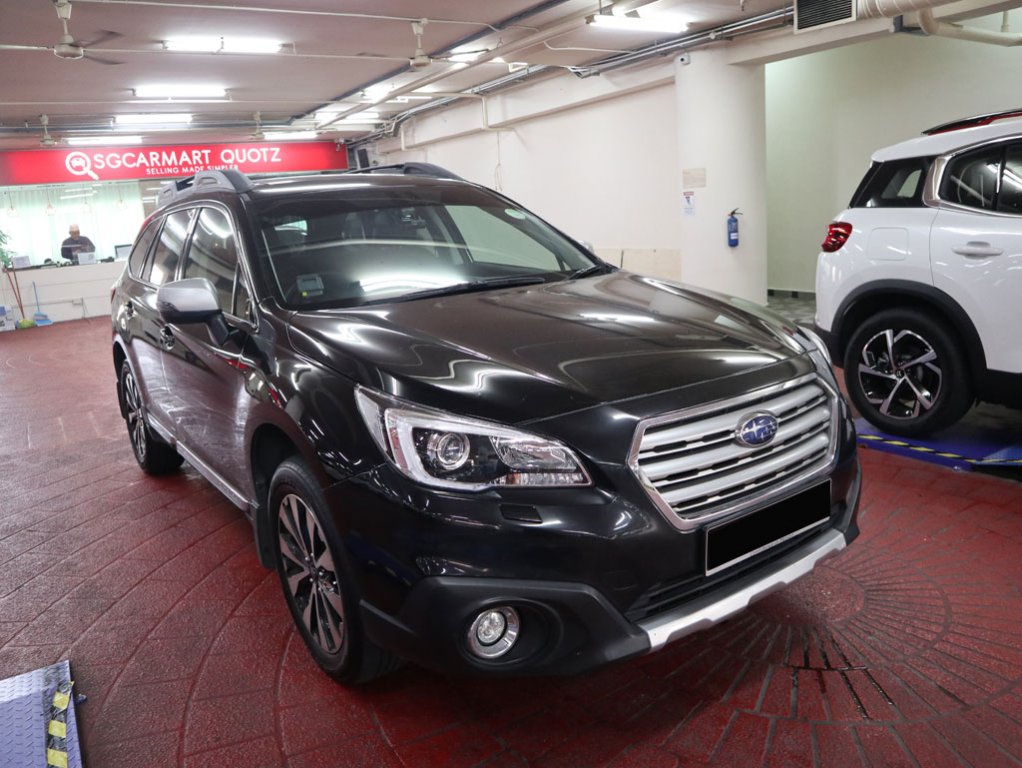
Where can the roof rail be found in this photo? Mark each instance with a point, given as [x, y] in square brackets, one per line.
[411, 169]
[229, 180]
[973, 122]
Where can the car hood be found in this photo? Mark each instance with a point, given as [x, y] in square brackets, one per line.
[519, 354]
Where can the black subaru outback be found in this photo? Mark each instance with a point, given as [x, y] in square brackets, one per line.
[460, 437]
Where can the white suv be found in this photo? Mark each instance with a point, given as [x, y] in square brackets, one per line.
[919, 284]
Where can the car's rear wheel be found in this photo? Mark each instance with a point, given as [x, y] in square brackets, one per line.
[906, 373]
[152, 454]
[317, 586]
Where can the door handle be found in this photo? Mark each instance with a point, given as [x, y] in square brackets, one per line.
[977, 248]
[167, 337]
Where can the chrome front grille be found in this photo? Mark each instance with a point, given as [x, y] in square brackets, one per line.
[695, 470]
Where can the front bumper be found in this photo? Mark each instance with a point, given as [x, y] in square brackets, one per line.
[568, 627]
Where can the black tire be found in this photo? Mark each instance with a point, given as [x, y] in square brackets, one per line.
[153, 455]
[906, 373]
[316, 580]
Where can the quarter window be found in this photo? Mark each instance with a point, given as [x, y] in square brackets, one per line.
[138, 253]
[894, 184]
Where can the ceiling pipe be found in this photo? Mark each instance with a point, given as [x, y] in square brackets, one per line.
[871, 9]
[765, 21]
[508, 23]
[931, 26]
[526, 42]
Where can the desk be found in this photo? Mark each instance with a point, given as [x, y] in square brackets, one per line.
[65, 293]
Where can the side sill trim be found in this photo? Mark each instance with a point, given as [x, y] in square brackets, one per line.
[236, 497]
[712, 609]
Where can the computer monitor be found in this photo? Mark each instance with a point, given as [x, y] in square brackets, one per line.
[122, 251]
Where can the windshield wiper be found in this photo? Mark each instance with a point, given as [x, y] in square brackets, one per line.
[466, 287]
[595, 269]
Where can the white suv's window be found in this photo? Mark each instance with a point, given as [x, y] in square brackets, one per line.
[971, 179]
[893, 184]
[1010, 198]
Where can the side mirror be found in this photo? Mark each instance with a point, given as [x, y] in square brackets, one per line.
[193, 300]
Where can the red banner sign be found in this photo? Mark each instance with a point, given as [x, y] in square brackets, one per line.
[50, 166]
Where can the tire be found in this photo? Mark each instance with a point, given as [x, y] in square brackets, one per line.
[153, 455]
[316, 580]
[906, 373]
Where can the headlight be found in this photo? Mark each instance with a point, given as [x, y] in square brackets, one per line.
[816, 342]
[447, 451]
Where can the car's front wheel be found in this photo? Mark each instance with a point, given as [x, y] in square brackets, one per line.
[906, 373]
[152, 454]
[317, 586]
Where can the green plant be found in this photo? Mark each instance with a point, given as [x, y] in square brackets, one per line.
[5, 255]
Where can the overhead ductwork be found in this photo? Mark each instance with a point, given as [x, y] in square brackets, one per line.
[931, 26]
[813, 14]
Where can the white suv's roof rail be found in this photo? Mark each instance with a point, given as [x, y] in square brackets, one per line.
[952, 139]
[228, 180]
[973, 122]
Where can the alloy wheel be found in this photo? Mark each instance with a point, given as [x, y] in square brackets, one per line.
[310, 573]
[900, 374]
[134, 416]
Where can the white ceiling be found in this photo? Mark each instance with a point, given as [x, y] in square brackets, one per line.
[334, 49]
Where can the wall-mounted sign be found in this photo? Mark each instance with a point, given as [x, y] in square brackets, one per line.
[55, 166]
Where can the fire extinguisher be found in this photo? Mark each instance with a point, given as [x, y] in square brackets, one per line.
[732, 228]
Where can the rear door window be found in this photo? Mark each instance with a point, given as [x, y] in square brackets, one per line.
[1009, 199]
[972, 178]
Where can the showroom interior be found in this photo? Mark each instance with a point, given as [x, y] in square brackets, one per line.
[702, 142]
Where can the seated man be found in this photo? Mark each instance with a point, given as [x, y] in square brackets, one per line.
[75, 244]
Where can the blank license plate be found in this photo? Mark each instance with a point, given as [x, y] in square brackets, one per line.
[732, 542]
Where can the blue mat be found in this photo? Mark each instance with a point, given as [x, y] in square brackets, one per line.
[38, 728]
[989, 436]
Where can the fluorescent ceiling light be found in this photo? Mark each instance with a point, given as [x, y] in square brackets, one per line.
[112, 139]
[377, 92]
[153, 119]
[176, 91]
[362, 117]
[290, 135]
[668, 24]
[211, 44]
[74, 195]
[466, 53]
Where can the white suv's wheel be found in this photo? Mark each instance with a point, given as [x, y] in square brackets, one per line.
[906, 373]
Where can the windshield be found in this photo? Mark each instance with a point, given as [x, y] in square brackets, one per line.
[359, 246]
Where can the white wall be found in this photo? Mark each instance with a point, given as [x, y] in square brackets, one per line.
[827, 112]
[65, 293]
[720, 142]
[605, 171]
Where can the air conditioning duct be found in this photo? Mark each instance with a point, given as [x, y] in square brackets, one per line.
[813, 14]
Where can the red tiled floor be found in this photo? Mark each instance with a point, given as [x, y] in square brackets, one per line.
[905, 650]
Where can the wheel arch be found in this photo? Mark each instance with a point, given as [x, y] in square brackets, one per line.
[270, 447]
[876, 296]
[119, 357]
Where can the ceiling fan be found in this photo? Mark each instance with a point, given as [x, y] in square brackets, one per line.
[67, 47]
[47, 140]
[421, 59]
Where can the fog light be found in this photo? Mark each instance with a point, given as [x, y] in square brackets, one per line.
[493, 632]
